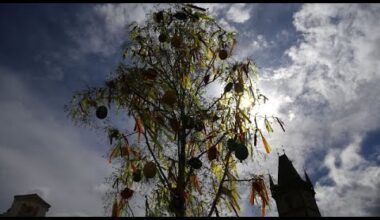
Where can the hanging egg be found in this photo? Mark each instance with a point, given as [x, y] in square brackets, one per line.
[101, 112]
[176, 41]
[212, 153]
[241, 152]
[150, 170]
[163, 38]
[195, 163]
[239, 87]
[159, 16]
[136, 176]
[169, 98]
[223, 54]
[231, 145]
[228, 87]
[180, 16]
[126, 193]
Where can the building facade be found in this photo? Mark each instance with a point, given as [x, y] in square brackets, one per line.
[294, 196]
[30, 205]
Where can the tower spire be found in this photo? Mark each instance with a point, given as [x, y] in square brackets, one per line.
[271, 182]
[308, 181]
[294, 196]
[306, 176]
[273, 188]
[287, 174]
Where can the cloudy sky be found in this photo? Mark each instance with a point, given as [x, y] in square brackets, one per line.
[319, 66]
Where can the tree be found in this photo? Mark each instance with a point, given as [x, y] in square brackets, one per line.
[186, 144]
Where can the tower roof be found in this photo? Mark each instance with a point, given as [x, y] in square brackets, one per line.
[287, 174]
[34, 197]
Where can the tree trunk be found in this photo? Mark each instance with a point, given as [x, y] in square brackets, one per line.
[181, 159]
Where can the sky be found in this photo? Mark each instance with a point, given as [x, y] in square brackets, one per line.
[319, 68]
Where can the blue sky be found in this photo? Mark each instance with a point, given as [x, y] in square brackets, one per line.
[319, 66]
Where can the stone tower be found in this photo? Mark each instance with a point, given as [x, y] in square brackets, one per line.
[293, 195]
[30, 205]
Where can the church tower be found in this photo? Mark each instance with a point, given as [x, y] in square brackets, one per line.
[293, 195]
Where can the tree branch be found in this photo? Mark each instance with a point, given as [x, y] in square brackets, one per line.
[216, 212]
[201, 82]
[213, 206]
[216, 143]
[156, 161]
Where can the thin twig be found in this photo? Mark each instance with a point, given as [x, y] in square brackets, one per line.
[233, 207]
[130, 209]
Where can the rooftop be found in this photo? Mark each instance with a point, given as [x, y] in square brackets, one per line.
[32, 197]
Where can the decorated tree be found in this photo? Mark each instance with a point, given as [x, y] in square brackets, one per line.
[189, 136]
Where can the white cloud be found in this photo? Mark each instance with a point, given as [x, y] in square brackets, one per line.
[227, 13]
[356, 184]
[239, 13]
[251, 45]
[227, 26]
[103, 28]
[332, 80]
[117, 16]
[40, 153]
[214, 9]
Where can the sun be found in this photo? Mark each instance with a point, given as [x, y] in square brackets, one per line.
[246, 101]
